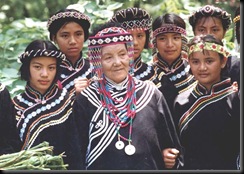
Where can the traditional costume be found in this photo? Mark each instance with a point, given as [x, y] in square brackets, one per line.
[122, 126]
[209, 125]
[82, 67]
[9, 138]
[209, 121]
[46, 117]
[174, 79]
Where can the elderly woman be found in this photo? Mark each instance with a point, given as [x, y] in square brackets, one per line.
[123, 123]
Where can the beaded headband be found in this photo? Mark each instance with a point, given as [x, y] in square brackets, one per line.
[69, 14]
[108, 36]
[168, 28]
[236, 19]
[210, 10]
[40, 53]
[199, 47]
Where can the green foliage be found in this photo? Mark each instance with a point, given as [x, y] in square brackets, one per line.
[13, 40]
[23, 21]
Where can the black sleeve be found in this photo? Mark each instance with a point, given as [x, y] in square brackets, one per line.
[10, 140]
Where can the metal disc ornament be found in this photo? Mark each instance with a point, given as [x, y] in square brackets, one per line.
[119, 145]
[130, 149]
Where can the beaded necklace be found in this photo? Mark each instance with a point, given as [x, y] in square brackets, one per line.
[121, 117]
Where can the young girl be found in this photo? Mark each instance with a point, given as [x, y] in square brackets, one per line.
[69, 29]
[209, 114]
[172, 69]
[138, 22]
[216, 21]
[43, 109]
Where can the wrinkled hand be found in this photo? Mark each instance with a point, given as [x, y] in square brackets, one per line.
[80, 84]
[169, 157]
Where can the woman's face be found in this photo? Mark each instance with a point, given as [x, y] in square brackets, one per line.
[70, 39]
[169, 46]
[115, 62]
[210, 25]
[206, 68]
[139, 40]
[42, 73]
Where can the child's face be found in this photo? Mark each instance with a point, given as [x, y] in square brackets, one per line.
[206, 67]
[42, 73]
[139, 40]
[210, 25]
[70, 40]
[169, 46]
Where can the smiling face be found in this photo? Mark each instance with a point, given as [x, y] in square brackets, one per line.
[42, 73]
[70, 40]
[206, 67]
[169, 46]
[115, 62]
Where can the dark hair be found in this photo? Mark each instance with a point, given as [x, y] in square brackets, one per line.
[171, 18]
[168, 18]
[210, 39]
[55, 23]
[210, 11]
[237, 25]
[38, 48]
[134, 17]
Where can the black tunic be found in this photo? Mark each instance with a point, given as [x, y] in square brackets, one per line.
[69, 73]
[174, 79]
[143, 71]
[152, 129]
[47, 118]
[233, 64]
[209, 126]
[9, 138]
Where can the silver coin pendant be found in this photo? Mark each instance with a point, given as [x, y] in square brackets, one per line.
[119, 145]
[130, 149]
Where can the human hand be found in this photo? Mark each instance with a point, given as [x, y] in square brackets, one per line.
[80, 84]
[169, 157]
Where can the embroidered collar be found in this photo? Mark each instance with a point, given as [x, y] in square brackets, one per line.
[219, 86]
[68, 64]
[161, 63]
[37, 96]
[117, 86]
[137, 63]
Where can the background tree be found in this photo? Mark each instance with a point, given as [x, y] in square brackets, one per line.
[23, 21]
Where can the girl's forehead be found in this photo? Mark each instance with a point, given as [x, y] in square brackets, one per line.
[208, 19]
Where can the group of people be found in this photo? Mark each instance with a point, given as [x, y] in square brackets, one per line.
[109, 110]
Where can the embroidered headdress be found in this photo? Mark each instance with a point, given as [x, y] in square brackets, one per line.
[199, 43]
[135, 18]
[56, 21]
[210, 11]
[108, 36]
[37, 51]
[39, 48]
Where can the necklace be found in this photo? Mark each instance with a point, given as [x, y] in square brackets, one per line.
[123, 116]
